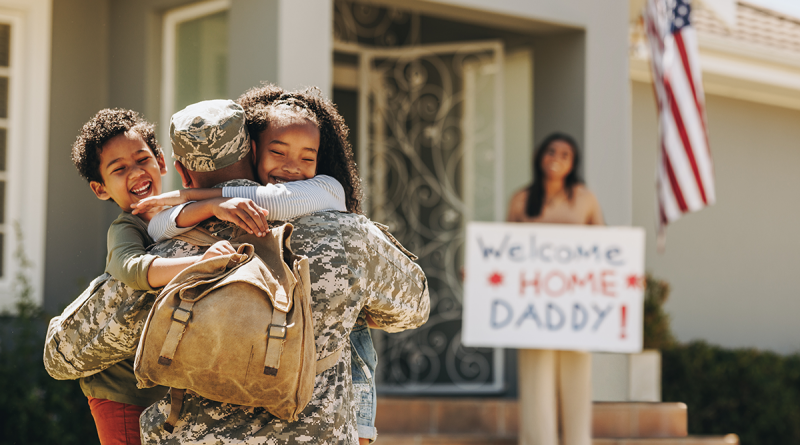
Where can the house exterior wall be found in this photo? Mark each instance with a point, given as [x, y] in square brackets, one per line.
[730, 266]
[597, 104]
[76, 219]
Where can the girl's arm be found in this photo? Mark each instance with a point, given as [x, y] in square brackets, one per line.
[284, 201]
[182, 218]
[292, 199]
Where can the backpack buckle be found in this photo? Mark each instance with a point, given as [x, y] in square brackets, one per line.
[276, 331]
[182, 318]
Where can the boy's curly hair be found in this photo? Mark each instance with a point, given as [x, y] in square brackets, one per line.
[335, 156]
[106, 124]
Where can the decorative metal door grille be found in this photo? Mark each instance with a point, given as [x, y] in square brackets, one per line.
[430, 138]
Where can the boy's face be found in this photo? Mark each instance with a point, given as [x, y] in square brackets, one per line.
[287, 152]
[129, 170]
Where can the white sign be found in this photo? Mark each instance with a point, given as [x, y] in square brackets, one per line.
[542, 286]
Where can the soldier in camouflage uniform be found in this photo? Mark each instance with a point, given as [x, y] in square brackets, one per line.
[354, 264]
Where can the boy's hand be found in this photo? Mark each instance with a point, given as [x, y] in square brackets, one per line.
[218, 249]
[172, 198]
[242, 212]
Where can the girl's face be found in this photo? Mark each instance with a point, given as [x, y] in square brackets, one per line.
[557, 160]
[287, 152]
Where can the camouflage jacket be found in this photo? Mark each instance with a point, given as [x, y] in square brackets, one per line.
[354, 265]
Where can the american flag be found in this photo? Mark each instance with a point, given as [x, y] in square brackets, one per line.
[685, 174]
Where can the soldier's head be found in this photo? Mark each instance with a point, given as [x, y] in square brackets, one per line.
[210, 143]
[116, 151]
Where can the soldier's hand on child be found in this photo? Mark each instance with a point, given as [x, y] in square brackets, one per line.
[243, 212]
[218, 249]
[172, 198]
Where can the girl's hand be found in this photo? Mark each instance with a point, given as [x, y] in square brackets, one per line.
[242, 212]
[172, 198]
[218, 249]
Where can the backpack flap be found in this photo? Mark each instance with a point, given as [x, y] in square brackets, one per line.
[202, 278]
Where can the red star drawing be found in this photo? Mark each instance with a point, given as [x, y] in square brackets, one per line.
[496, 279]
[635, 281]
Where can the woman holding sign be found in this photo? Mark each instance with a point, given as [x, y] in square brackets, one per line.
[549, 380]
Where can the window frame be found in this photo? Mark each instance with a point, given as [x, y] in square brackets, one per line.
[28, 127]
[172, 19]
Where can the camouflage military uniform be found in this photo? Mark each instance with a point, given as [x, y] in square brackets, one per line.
[353, 265]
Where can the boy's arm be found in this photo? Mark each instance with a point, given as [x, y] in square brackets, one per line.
[130, 263]
[293, 199]
[127, 260]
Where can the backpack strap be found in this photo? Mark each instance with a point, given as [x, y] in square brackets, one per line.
[176, 403]
[180, 318]
[276, 335]
[326, 363]
[198, 236]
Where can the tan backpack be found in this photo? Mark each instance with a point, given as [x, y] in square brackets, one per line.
[236, 328]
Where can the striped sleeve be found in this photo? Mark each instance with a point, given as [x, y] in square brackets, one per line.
[293, 199]
[164, 225]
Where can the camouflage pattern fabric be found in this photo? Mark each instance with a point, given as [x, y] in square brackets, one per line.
[209, 135]
[354, 266]
[103, 325]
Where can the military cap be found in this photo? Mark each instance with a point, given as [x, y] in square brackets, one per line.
[209, 135]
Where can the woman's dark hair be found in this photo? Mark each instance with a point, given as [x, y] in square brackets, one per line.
[335, 157]
[533, 207]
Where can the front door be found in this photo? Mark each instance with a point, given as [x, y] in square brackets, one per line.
[430, 153]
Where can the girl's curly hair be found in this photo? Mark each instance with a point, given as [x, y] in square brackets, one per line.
[265, 103]
[106, 124]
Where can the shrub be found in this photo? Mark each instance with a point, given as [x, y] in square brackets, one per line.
[657, 334]
[35, 408]
[752, 393]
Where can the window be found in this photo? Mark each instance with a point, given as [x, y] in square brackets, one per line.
[194, 65]
[24, 110]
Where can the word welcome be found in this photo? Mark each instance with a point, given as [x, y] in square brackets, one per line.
[550, 252]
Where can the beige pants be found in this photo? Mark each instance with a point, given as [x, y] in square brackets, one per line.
[549, 380]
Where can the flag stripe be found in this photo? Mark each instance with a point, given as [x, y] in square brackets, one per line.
[673, 182]
[695, 131]
[692, 77]
[687, 146]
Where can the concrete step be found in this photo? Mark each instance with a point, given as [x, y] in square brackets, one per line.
[729, 439]
[639, 419]
[475, 439]
[500, 418]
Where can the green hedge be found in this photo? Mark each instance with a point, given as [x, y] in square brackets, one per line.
[752, 393]
[35, 408]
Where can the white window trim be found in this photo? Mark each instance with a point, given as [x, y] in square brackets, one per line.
[172, 19]
[28, 127]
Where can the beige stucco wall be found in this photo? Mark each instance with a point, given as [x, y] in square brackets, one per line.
[732, 267]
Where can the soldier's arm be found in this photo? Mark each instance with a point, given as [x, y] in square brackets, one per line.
[396, 287]
[100, 328]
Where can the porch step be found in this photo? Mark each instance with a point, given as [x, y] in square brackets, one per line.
[639, 419]
[500, 417]
[443, 439]
[475, 439]
[729, 439]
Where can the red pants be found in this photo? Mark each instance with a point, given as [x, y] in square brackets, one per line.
[117, 423]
